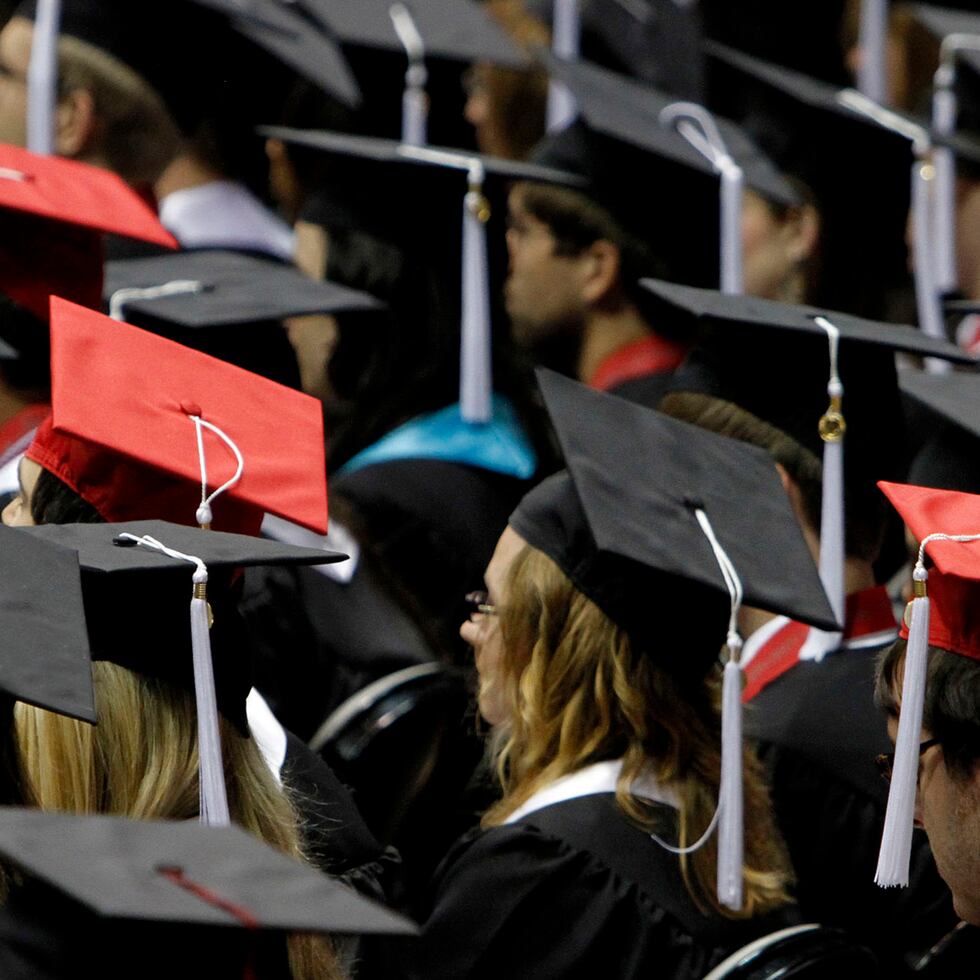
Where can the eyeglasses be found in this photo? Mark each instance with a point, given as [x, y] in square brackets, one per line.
[886, 761]
[479, 602]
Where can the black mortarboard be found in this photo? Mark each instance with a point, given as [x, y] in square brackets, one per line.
[630, 111]
[772, 360]
[198, 36]
[857, 170]
[182, 873]
[656, 41]
[389, 151]
[294, 41]
[136, 600]
[213, 289]
[949, 458]
[622, 525]
[455, 29]
[46, 660]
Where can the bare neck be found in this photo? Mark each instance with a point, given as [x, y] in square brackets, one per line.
[184, 172]
[605, 333]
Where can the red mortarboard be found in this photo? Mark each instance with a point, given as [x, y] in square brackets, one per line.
[954, 581]
[39, 255]
[121, 433]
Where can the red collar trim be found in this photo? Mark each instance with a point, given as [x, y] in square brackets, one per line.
[867, 613]
[648, 355]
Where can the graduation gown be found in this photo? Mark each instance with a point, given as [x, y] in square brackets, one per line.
[819, 732]
[573, 889]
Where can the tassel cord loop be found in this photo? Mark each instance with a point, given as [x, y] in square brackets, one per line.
[414, 105]
[176, 287]
[204, 515]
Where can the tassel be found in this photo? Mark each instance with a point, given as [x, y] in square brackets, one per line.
[698, 127]
[896, 841]
[415, 103]
[475, 382]
[214, 797]
[831, 565]
[565, 35]
[42, 78]
[732, 184]
[176, 287]
[731, 832]
[203, 514]
[944, 112]
[873, 34]
[731, 841]
[927, 299]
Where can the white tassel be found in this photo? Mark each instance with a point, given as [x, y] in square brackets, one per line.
[42, 78]
[213, 795]
[415, 103]
[731, 840]
[927, 298]
[832, 540]
[698, 127]
[896, 841]
[565, 36]
[176, 287]
[203, 514]
[731, 832]
[872, 38]
[475, 382]
[944, 111]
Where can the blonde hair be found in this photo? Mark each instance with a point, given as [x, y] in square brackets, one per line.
[141, 761]
[580, 691]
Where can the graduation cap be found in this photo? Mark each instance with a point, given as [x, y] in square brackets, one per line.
[226, 304]
[949, 459]
[943, 613]
[667, 129]
[46, 661]
[826, 379]
[662, 525]
[655, 41]
[199, 33]
[469, 172]
[456, 30]
[142, 427]
[53, 213]
[178, 873]
[857, 169]
[137, 580]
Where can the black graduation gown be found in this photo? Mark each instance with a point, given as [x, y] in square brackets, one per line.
[572, 890]
[819, 733]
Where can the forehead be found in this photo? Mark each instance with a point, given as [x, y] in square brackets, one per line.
[508, 548]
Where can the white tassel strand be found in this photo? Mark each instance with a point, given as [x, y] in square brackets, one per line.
[475, 382]
[565, 34]
[42, 78]
[896, 840]
[731, 837]
[176, 287]
[213, 793]
[698, 127]
[944, 112]
[832, 534]
[415, 102]
[873, 36]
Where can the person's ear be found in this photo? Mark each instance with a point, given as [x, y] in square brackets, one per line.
[802, 229]
[601, 266]
[810, 534]
[77, 124]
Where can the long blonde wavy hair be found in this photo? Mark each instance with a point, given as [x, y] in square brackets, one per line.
[141, 761]
[579, 691]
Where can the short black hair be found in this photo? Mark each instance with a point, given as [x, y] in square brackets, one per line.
[54, 502]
